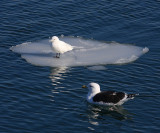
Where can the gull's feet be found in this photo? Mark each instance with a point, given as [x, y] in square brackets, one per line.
[57, 55]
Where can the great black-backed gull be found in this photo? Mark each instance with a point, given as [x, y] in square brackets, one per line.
[59, 46]
[106, 97]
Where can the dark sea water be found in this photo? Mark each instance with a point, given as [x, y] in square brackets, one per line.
[36, 99]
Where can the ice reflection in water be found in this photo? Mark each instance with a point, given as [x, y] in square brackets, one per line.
[56, 74]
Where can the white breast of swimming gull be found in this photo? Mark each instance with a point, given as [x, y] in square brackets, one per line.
[106, 97]
[59, 46]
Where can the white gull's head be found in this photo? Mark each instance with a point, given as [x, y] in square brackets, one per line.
[54, 38]
[93, 88]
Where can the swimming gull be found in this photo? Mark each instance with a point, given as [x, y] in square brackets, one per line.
[106, 97]
[59, 46]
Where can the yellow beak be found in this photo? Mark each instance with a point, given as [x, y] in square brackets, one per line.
[84, 86]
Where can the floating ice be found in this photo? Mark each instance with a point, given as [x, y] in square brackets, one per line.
[96, 68]
[92, 52]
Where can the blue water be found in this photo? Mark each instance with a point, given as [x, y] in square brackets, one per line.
[44, 99]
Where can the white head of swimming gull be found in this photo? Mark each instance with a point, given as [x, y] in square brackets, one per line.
[59, 46]
[106, 97]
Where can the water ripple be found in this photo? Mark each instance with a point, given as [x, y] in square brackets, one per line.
[44, 99]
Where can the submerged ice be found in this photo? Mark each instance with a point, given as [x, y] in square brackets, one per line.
[88, 52]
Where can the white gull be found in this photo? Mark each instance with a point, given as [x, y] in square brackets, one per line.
[59, 46]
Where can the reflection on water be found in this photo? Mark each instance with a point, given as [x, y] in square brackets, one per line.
[96, 113]
[57, 74]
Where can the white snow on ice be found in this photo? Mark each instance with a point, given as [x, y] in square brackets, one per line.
[91, 52]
